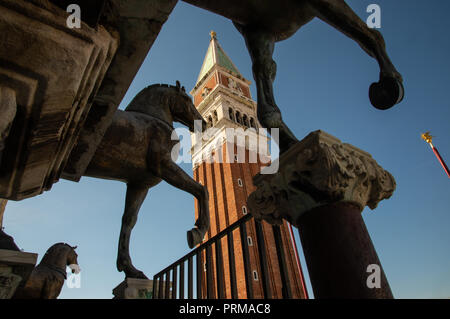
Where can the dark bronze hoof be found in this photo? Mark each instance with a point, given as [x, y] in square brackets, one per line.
[135, 274]
[130, 272]
[194, 237]
[386, 93]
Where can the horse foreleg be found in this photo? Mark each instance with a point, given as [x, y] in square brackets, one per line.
[389, 90]
[134, 199]
[260, 47]
[175, 176]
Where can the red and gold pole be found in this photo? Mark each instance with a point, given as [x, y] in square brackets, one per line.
[428, 138]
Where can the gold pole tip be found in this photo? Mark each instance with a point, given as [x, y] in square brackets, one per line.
[213, 34]
[427, 137]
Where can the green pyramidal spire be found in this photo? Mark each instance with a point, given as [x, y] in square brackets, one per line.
[216, 55]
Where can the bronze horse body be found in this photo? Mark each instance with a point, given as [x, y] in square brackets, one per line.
[264, 22]
[136, 149]
[47, 279]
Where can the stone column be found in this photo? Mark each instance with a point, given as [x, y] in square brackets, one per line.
[322, 187]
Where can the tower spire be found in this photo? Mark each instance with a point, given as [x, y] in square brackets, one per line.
[215, 55]
[218, 71]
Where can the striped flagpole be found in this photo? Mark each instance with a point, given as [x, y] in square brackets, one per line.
[428, 138]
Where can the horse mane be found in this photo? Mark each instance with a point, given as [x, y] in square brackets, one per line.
[135, 105]
[156, 85]
[54, 248]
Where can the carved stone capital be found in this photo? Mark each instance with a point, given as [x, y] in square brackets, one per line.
[319, 170]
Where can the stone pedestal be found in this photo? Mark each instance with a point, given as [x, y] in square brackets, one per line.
[132, 288]
[15, 268]
[321, 188]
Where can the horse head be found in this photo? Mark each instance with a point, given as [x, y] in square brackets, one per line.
[72, 260]
[184, 111]
[61, 255]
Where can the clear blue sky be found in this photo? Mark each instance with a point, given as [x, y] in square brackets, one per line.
[322, 83]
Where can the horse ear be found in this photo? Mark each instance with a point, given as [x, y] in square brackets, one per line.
[178, 84]
[183, 89]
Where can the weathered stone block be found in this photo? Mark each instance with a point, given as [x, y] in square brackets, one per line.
[15, 268]
[53, 72]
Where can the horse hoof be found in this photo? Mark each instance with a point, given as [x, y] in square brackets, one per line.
[386, 93]
[194, 237]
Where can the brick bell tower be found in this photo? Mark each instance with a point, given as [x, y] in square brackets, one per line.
[222, 96]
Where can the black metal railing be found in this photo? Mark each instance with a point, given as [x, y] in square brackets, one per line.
[166, 284]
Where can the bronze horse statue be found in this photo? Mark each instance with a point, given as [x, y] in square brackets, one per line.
[264, 22]
[47, 279]
[136, 149]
